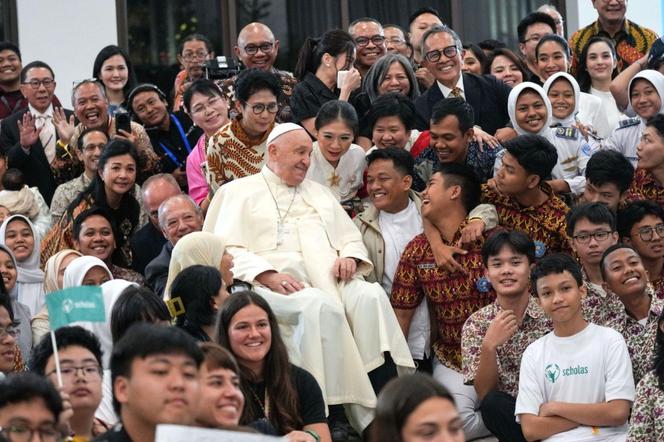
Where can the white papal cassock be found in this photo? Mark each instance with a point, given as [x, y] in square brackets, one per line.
[337, 331]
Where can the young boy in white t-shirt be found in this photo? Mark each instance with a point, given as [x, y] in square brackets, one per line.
[575, 383]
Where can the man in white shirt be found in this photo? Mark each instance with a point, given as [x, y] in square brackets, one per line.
[575, 383]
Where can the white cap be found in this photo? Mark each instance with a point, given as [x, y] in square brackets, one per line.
[281, 129]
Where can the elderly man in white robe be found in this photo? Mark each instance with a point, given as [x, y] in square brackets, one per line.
[291, 239]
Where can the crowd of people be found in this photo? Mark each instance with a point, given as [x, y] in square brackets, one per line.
[279, 252]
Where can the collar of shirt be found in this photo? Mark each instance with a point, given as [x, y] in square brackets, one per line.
[446, 91]
[36, 113]
[533, 310]
[656, 306]
[625, 30]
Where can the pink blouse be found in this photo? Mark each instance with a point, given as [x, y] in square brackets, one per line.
[198, 186]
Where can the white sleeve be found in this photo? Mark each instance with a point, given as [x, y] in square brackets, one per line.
[530, 396]
[619, 377]
[248, 265]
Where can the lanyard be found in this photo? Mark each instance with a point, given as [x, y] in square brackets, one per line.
[183, 136]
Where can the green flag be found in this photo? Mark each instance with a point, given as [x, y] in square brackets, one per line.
[84, 303]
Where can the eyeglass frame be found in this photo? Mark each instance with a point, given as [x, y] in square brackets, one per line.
[76, 369]
[252, 49]
[446, 51]
[588, 236]
[650, 230]
[395, 40]
[265, 107]
[189, 56]
[4, 332]
[36, 84]
[57, 436]
[360, 41]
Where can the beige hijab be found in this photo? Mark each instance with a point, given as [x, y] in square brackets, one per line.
[53, 268]
[202, 248]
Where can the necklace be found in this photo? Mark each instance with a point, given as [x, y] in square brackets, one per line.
[280, 224]
[264, 406]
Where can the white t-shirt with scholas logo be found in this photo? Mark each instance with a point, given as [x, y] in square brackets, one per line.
[593, 366]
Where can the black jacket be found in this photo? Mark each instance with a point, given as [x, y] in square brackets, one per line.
[156, 272]
[146, 245]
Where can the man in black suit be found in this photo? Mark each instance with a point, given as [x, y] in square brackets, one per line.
[443, 57]
[31, 139]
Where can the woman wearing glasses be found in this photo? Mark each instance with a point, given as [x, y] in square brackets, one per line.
[239, 148]
[325, 71]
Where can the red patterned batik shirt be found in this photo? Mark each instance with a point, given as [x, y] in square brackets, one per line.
[644, 187]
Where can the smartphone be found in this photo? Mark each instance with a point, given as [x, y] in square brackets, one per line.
[122, 122]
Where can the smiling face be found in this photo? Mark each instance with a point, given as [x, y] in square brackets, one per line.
[19, 239]
[390, 132]
[84, 389]
[625, 274]
[395, 80]
[7, 270]
[119, 174]
[653, 248]
[559, 296]
[257, 47]
[471, 63]
[387, 187]
[40, 97]
[551, 58]
[162, 389]
[90, 106]
[221, 400]
[209, 112]
[611, 10]
[506, 71]
[650, 150]
[644, 98]
[10, 67]
[93, 145]
[561, 95]
[446, 70]
[434, 419]
[334, 140]
[257, 124]
[150, 109]
[600, 61]
[7, 344]
[250, 336]
[531, 113]
[590, 252]
[368, 54]
[509, 272]
[450, 144]
[114, 73]
[96, 238]
[290, 156]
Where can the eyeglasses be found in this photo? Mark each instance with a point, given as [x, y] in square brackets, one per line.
[202, 107]
[396, 41]
[93, 147]
[260, 107]
[377, 40]
[188, 56]
[70, 371]
[264, 48]
[646, 233]
[47, 82]
[12, 331]
[535, 39]
[23, 433]
[584, 238]
[434, 56]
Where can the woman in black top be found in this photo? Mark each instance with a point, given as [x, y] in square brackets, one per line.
[320, 62]
[277, 392]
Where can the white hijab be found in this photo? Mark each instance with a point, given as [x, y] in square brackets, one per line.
[511, 108]
[656, 79]
[30, 278]
[79, 267]
[569, 120]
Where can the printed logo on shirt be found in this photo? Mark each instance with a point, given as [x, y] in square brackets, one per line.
[552, 373]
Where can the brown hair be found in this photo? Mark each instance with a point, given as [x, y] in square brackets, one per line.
[217, 357]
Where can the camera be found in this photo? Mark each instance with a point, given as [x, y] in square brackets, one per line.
[221, 68]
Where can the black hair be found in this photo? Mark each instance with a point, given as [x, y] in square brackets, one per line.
[424, 10]
[478, 52]
[393, 104]
[143, 340]
[555, 264]
[250, 81]
[13, 179]
[557, 39]
[596, 213]
[403, 31]
[516, 240]
[610, 166]
[85, 132]
[108, 52]
[18, 388]
[633, 212]
[511, 56]
[201, 86]
[657, 122]
[612, 248]
[582, 75]
[6, 301]
[9, 46]
[196, 286]
[399, 399]
[531, 19]
[143, 87]
[136, 304]
[71, 336]
[461, 175]
[456, 106]
[401, 159]
[658, 365]
[491, 45]
[335, 110]
[195, 37]
[334, 42]
[32, 65]
[534, 153]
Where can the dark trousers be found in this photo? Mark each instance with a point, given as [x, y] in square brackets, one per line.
[497, 410]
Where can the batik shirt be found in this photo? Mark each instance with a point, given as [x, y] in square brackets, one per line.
[508, 356]
[644, 187]
[602, 308]
[647, 421]
[452, 297]
[545, 224]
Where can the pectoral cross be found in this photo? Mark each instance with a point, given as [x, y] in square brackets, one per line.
[334, 179]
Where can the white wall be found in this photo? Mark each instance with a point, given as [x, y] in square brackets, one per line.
[66, 34]
[647, 13]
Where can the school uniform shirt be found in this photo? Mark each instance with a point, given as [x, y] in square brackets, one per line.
[592, 366]
[646, 423]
